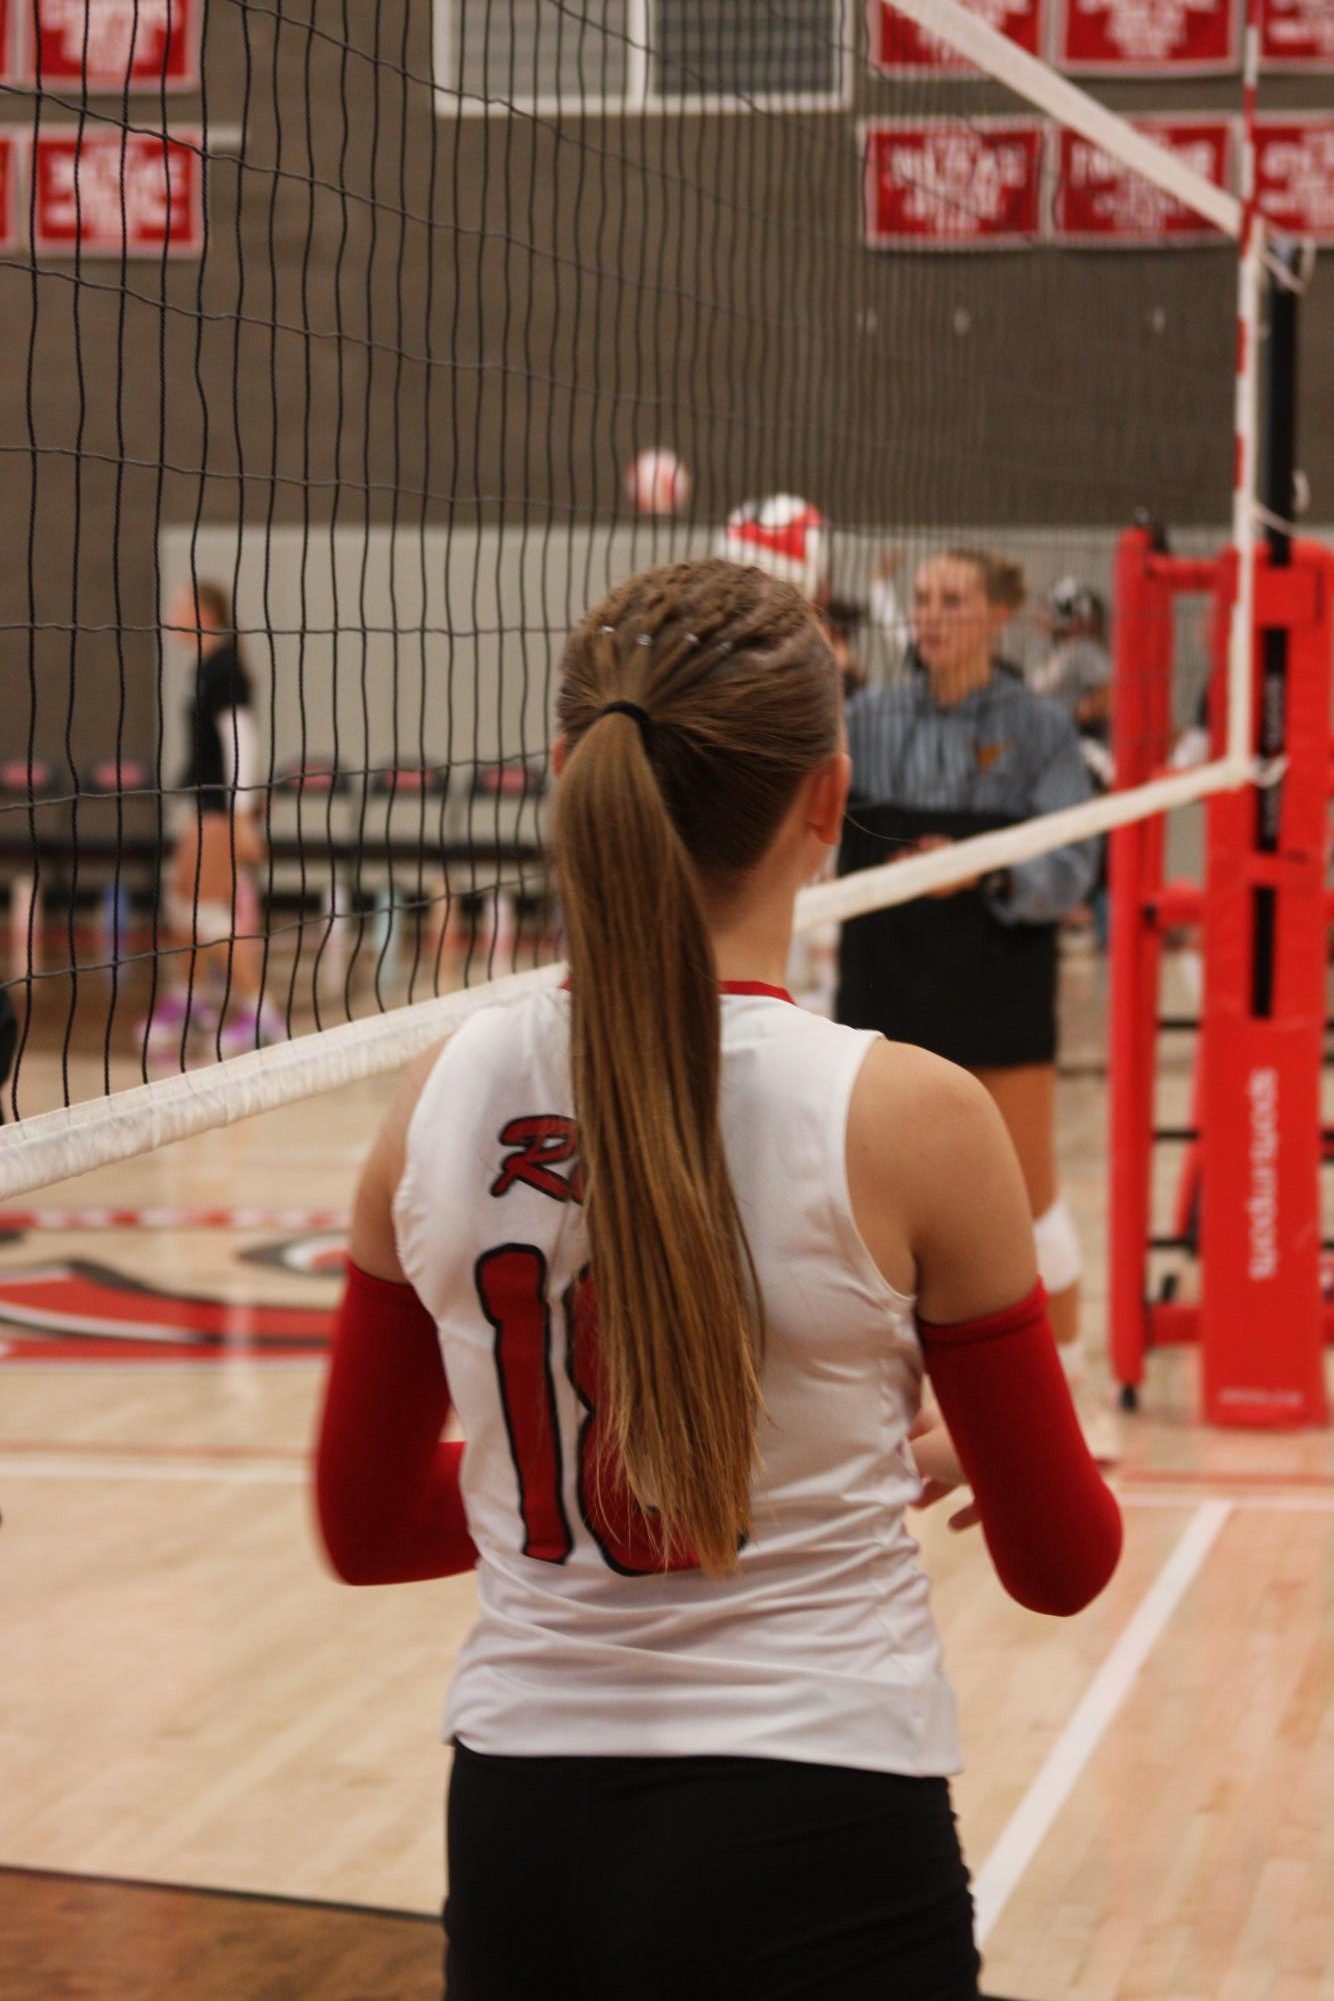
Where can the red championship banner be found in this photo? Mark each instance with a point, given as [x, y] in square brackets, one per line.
[1099, 200]
[943, 184]
[1294, 174]
[1297, 34]
[1149, 37]
[111, 193]
[9, 192]
[899, 47]
[115, 44]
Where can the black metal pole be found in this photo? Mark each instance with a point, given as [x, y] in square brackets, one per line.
[1277, 483]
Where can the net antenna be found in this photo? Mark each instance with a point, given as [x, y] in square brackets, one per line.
[600, 73]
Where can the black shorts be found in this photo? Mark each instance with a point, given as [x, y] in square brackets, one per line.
[943, 971]
[702, 1879]
[946, 974]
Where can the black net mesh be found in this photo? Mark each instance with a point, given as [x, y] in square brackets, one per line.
[330, 344]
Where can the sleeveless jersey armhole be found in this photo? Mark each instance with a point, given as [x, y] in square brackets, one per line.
[850, 1238]
[408, 1209]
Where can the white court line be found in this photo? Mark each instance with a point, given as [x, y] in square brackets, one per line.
[1287, 1501]
[1027, 1826]
[18, 1466]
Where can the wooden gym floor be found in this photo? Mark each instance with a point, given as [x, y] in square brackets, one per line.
[193, 1706]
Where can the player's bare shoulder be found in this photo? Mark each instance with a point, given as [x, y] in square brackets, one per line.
[910, 1103]
[933, 1178]
[921, 1134]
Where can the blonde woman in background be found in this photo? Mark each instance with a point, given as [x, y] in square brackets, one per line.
[961, 746]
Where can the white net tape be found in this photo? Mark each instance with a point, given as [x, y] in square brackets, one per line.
[76, 1138]
[920, 874]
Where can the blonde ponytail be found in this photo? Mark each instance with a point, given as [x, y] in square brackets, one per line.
[736, 682]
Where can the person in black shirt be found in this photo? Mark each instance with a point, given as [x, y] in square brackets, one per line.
[212, 905]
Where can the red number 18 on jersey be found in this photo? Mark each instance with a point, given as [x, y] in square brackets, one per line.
[512, 1290]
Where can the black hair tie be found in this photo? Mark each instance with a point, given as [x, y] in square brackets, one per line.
[641, 718]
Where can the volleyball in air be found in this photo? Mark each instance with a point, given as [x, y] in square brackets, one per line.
[784, 535]
[657, 482]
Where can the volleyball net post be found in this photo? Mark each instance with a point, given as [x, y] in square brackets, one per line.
[1247, 1201]
[1263, 1321]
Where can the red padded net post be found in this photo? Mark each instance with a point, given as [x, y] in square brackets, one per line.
[1262, 1316]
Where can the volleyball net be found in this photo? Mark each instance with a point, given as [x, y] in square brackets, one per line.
[382, 342]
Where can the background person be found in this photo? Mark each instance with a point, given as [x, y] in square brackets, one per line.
[1077, 671]
[961, 745]
[844, 618]
[1077, 675]
[211, 978]
[885, 610]
[684, 1249]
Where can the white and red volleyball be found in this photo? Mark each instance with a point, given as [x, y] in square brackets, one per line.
[657, 482]
[783, 535]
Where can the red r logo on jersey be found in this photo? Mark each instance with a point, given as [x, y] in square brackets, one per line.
[542, 1143]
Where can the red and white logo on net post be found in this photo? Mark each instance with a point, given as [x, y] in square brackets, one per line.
[114, 44]
[1149, 37]
[945, 184]
[112, 193]
[898, 44]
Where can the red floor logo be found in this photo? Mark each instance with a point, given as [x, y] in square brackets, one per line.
[75, 1310]
[321, 1255]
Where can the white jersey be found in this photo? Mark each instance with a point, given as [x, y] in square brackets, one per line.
[821, 1646]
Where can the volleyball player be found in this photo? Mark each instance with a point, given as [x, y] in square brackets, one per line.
[961, 745]
[686, 1252]
[212, 906]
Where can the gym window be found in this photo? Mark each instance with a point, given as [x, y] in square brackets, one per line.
[610, 56]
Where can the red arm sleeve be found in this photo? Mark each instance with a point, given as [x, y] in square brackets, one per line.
[386, 1484]
[1051, 1524]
